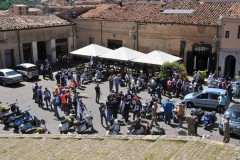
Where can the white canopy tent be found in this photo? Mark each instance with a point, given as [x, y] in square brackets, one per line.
[157, 58]
[92, 50]
[123, 54]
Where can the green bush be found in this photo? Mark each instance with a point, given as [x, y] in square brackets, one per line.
[167, 67]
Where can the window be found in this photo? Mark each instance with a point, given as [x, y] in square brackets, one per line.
[214, 96]
[91, 40]
[238, 32]
[1, 74]
[203, 96]
[227, 34]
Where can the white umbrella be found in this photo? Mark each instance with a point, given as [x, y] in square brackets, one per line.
[92, 50]
[123, 54]
[157, 58]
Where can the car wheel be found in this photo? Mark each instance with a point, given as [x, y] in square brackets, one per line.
[221, 132]
[190, 105]
[37, 77]
[25, 78]
[4, 83]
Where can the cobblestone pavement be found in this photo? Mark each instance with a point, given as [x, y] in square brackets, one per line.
[23, 93]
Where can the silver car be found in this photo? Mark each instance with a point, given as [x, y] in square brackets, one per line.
[207, 98]
[9, 76]
[234, 112]
[28, 71]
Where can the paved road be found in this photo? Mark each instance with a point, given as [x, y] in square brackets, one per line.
[23, 93]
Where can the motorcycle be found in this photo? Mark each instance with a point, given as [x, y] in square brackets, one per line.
[143, 128]
[146, 109]
[85, 124]
[114, 128]
[67, 123]
[42, 129]
[22, 118]
[29, 123]
[209, 118]
[199, 113]
[160, 114]
[174, 115]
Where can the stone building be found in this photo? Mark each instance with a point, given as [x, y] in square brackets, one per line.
[183, 29]
[34, 38]
[229, 58]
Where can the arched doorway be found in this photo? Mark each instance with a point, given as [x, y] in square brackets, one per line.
[230, 64]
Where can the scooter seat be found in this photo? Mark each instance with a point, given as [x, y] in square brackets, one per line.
[17, 117]
[64, 121]
[82, 122]
[76, 122]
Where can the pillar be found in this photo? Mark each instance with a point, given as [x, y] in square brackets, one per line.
[53, 47]
[34, 52]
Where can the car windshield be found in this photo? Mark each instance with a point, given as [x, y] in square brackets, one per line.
[32, 68]
[196, 93]
[235, 115]
[11, 73]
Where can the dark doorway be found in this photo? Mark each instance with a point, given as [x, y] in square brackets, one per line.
[41, 48]
[61, 47]
[9, 59]
[190, 62]
[230, 64]
[27, 52]
[114, 44]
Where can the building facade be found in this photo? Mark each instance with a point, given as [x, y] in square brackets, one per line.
[48, 37]
[176, 28]
[229, 60]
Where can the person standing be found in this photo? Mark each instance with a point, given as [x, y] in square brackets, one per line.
[40, 96]
[58, 77]
[98, 93]
[137, 109]
[78, 78]
[56, 103]
[126, 110]
[226, 130]
[114, 107]
[168, 107]
[190, 119]
[102, 110]
[222, 102]
[110, 80]
[154, 114]
[180, 114]
[229, 91]
[64, 104]
[34, 88]
[47, 97]
[116, 82]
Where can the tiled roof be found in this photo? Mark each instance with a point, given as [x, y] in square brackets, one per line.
[26, 22]
[234, 11]
[203, 14]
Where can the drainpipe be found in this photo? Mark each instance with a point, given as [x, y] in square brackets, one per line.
[19, 52]
[101, 34]
[137, 37]
[73, 31]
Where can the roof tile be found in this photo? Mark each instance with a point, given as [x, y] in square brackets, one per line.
[25, 22]
[203, 14]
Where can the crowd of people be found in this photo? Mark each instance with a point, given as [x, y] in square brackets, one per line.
[118, 104]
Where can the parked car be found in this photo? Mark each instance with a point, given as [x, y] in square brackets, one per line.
[207, 98]
[234, 112]
[28, 71]
[9, 76]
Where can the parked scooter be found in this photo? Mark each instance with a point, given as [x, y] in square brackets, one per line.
[209, 118]
[143, 128]
[66, 123]
[146, 109]
[160, 114]
[42, 129]
[114, 128]
[29, 123]
[199, 113]
[25, 116]
[85, 124]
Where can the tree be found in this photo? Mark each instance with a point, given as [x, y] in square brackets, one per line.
[167, 69]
